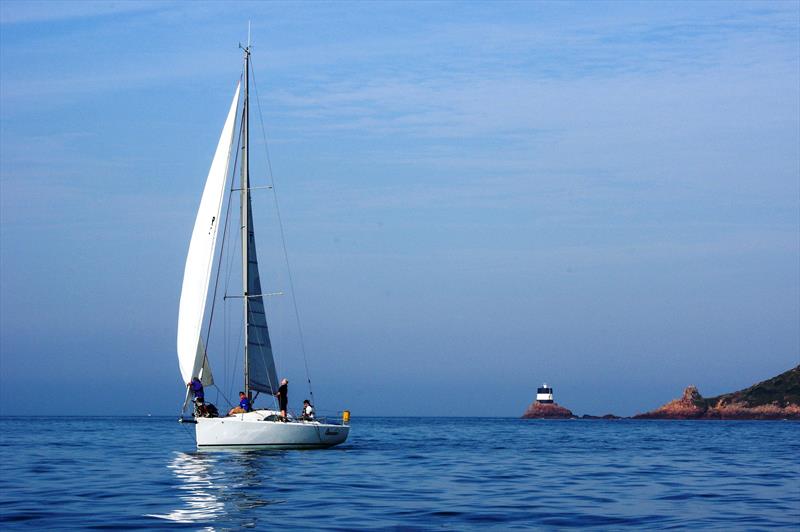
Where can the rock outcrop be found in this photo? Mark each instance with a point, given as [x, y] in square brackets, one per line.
[775, 398]
[539, 410]
[690, 406]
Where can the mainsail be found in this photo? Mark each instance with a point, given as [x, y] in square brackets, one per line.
[199, 261]
[260, 363]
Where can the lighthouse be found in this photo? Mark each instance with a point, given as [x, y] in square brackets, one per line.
[544, 394]
[545, 408]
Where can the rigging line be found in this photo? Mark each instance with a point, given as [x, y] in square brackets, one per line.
[219, 261]
[236, 358]
[236, 320]
[222, 247]
[230, 258]
[225, 320]
[283, 238]
[228, 218]
[234, 252]
[223, 395]
[225, 327]
[230, 200]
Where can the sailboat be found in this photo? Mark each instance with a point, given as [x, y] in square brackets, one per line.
[262, 427]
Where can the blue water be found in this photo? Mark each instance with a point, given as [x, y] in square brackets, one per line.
[405, 473]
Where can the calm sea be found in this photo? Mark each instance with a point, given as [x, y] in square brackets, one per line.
[405, 473]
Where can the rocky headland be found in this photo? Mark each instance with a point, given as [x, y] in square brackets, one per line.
[775, 398]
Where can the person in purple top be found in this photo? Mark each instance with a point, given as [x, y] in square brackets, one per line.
[199, 394]
[197, 388]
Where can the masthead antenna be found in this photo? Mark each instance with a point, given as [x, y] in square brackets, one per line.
[248, 34]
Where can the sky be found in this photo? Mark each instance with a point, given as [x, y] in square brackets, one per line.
[477, 198]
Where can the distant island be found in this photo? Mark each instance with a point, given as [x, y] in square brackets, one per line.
[775, 398]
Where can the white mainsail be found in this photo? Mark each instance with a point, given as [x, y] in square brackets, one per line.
[200, 259]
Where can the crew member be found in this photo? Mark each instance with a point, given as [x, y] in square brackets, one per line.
[308, 411]
[198, 395]
[244, 405]
[283, 397]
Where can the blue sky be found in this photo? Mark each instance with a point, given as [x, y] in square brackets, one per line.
[478, 197]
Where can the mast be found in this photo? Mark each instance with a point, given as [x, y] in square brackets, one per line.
[245, 198]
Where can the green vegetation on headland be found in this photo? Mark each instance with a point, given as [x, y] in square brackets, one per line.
[775, 398]
[783, 390]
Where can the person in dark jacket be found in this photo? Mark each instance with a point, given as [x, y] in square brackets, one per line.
[283, 397]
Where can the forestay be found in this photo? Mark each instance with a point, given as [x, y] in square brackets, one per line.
[200, 259]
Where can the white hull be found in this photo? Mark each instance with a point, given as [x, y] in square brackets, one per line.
[251, 430]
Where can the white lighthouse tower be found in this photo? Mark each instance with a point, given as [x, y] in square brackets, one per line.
[544, 394]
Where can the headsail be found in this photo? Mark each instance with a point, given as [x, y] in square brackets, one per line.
[260, 363]
[199, 260]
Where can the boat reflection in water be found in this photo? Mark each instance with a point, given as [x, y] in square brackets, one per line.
[215, 488]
